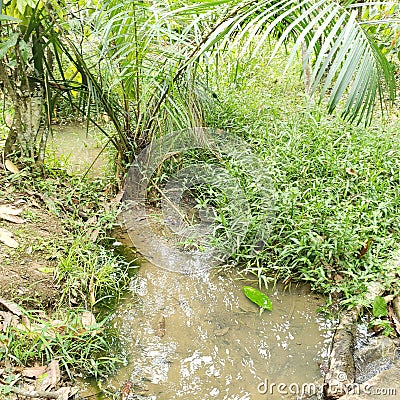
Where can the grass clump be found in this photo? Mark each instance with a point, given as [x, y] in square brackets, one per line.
[81, 349]
[336, 186]
[91, 275]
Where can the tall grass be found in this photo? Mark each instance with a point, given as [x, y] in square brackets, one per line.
[336, 185]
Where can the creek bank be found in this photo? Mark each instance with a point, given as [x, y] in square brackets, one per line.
[54, 275]
[383, 386]
[341, 371]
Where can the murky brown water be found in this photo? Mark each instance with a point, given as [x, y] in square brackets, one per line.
[76, 149]
[215, 344]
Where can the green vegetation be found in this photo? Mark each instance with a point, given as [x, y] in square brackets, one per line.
[153, 67]
[336, 185]
[91, 277]
[258, 297]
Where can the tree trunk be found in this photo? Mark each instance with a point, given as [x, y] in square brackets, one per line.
[27, 97]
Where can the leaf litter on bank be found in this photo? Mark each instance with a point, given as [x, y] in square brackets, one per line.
[11, 306]
[10, 213]
[6, 238]
[10, 166]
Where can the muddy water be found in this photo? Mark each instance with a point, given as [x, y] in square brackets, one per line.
[197, 337]
[76, 149]
[215, 343]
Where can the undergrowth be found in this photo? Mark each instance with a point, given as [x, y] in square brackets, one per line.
[90, 275]
[336, 186]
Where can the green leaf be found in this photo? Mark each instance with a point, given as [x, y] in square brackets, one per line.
[11, 42]
[8, 18]
[258, 297]
[379, 307]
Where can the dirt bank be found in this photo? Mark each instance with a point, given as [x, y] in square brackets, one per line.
[27, 262]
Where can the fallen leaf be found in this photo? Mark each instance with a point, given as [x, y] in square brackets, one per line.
[34, 372]
[389, 298]
[50, 378]
[94, 235]
[19, 201]
[258, 297]
[126, 390]
[14, 308]
[7, 318]
[365, 248]
[11, 167]
[10, 210]
[351, 171]
[6, 238]
[88, 319]
[116, 200]
[63, 393]
[12, 218]
[92, 220]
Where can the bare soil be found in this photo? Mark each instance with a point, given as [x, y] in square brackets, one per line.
[27, 272]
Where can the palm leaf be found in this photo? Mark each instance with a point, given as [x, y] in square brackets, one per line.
[347, 61]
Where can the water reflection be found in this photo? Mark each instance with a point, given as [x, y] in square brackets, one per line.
[215, 343]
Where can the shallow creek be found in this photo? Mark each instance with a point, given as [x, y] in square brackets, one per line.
[77, 149]
[197, 337]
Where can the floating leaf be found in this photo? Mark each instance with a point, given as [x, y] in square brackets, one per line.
[379, 307]
[258, 297]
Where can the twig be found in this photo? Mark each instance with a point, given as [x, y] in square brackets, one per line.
[33, 393]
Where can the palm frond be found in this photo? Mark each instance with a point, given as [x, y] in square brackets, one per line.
[347, 62]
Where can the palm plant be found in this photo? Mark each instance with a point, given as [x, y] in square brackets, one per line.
[154, 53]
[141, 61]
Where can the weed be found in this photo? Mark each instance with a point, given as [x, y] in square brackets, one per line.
[336, 185]
[92, 275]
[80, 349]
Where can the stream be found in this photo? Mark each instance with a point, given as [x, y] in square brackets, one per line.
[196, 336]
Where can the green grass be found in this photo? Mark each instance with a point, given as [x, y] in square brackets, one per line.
[81, 350]
[91, 277]
[336, 186]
